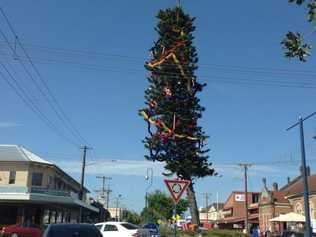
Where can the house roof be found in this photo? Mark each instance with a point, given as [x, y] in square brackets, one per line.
[279, 197]
[297, 187]
[19, 153]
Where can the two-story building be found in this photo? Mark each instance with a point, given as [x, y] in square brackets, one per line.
[272, 203]
[212, 213]
[35, 190]
[234, 211]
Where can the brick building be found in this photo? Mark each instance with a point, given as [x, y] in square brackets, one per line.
[294, 193]
[272, 203]
[234, 210]
[288, 198]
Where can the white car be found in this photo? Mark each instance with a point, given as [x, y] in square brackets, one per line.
[121, 229]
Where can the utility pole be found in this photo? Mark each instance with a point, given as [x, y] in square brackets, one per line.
[217, 207]
[149, 177]
[206, 195]
[85, 148]
[117, 217]
[104, 190]
[300, 123]
[245, 167]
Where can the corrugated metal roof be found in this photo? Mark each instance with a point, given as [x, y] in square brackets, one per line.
[19, 153]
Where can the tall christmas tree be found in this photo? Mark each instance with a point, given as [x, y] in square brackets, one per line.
[173, 108]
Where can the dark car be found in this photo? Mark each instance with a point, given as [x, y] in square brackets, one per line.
[72, 230]
[292, 234]
[153, 229]
[24, 230]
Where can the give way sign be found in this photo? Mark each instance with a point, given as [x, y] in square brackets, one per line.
[177, 188]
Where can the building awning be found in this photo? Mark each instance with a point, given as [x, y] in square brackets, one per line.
[22, 194]
[231, 220]
[289, 217]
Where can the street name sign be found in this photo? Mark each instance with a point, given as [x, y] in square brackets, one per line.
[177, 188]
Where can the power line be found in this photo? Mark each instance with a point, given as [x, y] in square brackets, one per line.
[54, 104]
[214, 79]
[24, 96]
[139, 59]
[105, 192]
[103, 67]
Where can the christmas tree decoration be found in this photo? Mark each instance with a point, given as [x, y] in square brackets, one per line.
[166, 132]
[153, 104]
[173, 110]
[167, 92]
[170, 54]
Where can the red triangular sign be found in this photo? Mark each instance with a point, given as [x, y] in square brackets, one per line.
[177, 188]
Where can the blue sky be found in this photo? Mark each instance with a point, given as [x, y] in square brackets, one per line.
[238, 45]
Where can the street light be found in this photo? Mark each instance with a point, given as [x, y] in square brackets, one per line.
[300, 123]
[149, 178]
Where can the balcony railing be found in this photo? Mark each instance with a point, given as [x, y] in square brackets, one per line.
[38, 190]
[13, 190]
[48, 191]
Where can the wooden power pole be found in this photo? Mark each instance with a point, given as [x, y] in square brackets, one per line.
[245, 168]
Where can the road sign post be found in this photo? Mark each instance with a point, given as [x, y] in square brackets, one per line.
[176, 188]
[175, 219]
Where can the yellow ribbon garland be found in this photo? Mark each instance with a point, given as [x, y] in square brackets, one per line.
[156, 63]
[172, 55]
[166, 128]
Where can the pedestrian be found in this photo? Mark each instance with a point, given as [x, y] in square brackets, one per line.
[255, 232]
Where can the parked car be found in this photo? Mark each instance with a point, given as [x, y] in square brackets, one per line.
[21, 230]
[153, 229]
[292, 234]
[121, 229]
[72, 230]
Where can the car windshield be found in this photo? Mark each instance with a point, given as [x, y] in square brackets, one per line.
[129, 226]
[73, 231]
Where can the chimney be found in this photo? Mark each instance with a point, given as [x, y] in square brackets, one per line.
[288, 180]
[275, 186]
[308, 170]
[264, 181]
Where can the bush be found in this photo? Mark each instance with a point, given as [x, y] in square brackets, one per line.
[168, 232]
[225, 233]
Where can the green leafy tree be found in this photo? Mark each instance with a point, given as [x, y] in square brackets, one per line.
[293, 43]
[132, 217]
[160, 207]
[173, 107]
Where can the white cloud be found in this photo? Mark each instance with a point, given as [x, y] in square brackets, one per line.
[9, 125]
[139, 168]
[254, 171]
[114, 167]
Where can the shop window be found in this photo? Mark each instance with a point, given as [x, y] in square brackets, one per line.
[12, 177]
[255, 198]
[37, 179]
